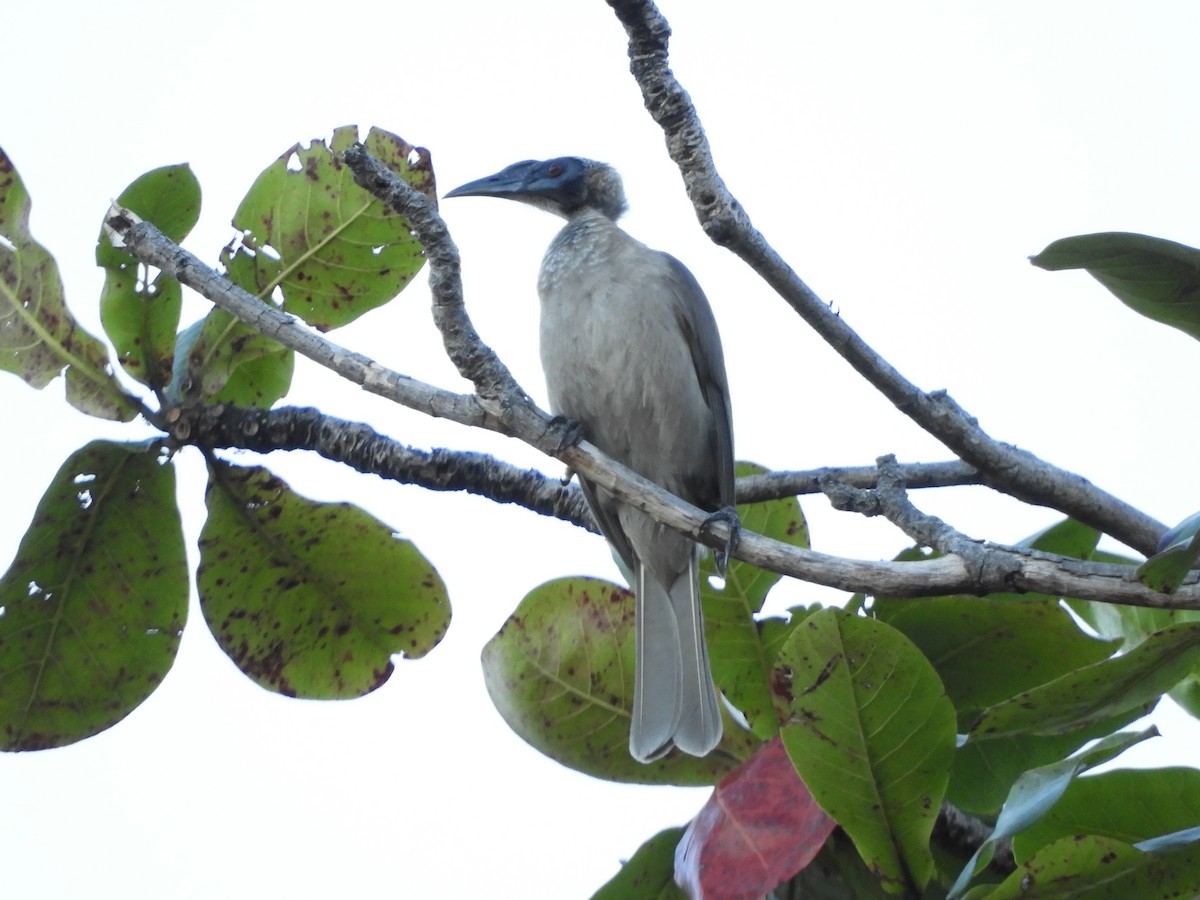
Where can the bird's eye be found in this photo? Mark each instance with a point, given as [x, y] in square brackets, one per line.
[554, 170]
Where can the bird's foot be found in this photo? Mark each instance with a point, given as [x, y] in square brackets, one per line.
[562, 433]
[729, 516]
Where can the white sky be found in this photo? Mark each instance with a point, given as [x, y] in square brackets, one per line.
[905, 158]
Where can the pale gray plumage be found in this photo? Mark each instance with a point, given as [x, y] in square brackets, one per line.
[631, 352]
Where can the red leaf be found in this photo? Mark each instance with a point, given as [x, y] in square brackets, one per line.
[760, 827]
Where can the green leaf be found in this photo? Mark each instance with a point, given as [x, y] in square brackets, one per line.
[39, 338]
[1039, 789]
[1066, 538]
[92, 609]
[311, 599]
[1132, 624]
[872, 735]
[333, 251]
[560, 672]
[1159, 279]
[987, 649]
[1177, 554]
[741, 662]
[1098, 868]
[983, 771]
[141, 317]
[230, 362]
[1129, 805]
[649, 873]
[1100, 690]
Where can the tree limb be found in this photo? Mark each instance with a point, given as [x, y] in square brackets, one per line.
[1004, 467]
[366, 450]
[1007, 569]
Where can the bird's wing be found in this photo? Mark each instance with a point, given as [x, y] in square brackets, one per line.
[699, 328]
[606, 519]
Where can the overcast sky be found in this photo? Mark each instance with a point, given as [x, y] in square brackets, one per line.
[905, 158]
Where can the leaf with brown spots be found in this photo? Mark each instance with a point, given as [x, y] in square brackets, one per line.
[93, 606]
[333, 251]
[560, 672]
[1087, 867]
[39, 338]
[1098, 691]
[311, 599]
[872, 735]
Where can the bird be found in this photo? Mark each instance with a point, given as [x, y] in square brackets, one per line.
[632, 356]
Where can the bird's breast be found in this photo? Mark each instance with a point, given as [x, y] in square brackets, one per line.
[615, 357]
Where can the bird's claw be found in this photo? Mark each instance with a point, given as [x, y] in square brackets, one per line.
[563, 433]
[729, 516]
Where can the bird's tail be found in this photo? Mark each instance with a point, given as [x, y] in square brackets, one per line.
[674, 701]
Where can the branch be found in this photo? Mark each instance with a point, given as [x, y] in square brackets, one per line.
[495, 387]
[1005, 467]
[774, 485]
[366, 450]
[1006, 569]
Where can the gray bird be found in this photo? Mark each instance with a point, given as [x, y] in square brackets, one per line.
[631, 353]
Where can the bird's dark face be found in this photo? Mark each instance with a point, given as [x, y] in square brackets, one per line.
[563, 186]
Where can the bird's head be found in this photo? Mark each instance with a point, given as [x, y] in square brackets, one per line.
[565, 186]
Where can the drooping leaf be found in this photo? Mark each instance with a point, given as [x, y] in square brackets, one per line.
[141, 316]
[560, 672]
[1159, 279]
[872, 734]
[649, 873]
[311, 599]
[1129, 805]
[760, 827]
[1100, 690]
[39, 338]
[1036, 791]
[740, 661]
[333, 251]
[92, 609]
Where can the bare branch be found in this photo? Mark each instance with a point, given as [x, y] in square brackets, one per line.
[1006, 468]
[773, 485]
[366, 450]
